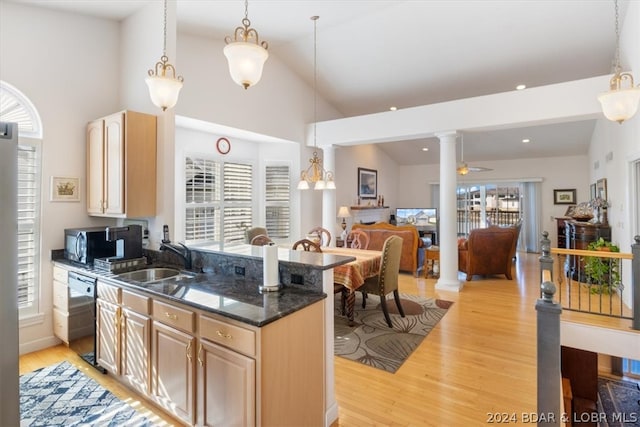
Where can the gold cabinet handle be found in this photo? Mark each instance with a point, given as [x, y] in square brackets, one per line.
[223, 335]
[189, 351]
[171, 316]
[200, 361]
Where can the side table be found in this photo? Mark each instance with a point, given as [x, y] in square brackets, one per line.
[432, 262]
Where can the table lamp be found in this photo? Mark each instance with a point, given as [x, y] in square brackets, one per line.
[343, 213]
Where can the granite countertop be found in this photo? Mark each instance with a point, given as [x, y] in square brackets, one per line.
[235, 298]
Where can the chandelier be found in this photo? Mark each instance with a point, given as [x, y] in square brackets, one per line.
[619, 104]
[245, 53]
[164, 88]
[315, 173]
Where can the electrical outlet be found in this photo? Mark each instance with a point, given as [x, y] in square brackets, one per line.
[239, 270]
[297, 279]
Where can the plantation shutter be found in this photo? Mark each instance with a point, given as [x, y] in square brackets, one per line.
[278, 198]
[28, 226]
[238, 193]
[202, 214]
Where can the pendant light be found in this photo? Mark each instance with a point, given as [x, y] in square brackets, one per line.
[315, 173]
[164, 89]
[620, 104]
[462, 168]
[245, 53]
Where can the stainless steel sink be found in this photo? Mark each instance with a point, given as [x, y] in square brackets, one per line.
[153, 274]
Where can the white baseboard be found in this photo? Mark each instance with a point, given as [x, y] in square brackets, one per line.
[39, 344]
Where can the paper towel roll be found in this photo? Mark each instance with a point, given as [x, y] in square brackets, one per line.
[270, 265]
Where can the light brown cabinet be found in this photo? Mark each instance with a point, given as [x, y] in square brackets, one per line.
[136, 341]
[107, 336]
[72, 313]
[121, 165]
[209, 370]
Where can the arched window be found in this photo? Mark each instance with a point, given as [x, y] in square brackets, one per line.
[15, 107]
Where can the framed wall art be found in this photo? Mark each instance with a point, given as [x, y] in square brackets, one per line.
[601, 188]
[367, 183]
[564, 197]
[65, 189]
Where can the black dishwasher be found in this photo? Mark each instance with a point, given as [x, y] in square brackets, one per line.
[82, 317]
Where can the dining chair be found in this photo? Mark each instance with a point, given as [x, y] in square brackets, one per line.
[261, 240]
[387, 279]
[307, 245]
[323, 234]
[359, 239]
[252, 232]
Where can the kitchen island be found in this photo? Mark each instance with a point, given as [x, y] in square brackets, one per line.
[210, 348]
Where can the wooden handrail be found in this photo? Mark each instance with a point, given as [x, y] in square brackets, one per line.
[599, 254]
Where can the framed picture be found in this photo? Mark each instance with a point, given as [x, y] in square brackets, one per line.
[564, 197]
[601, 188]
[570, 210]
[65, 189]
[592, 191]
[367, 183]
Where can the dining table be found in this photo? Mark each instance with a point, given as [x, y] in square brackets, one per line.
[353, 274]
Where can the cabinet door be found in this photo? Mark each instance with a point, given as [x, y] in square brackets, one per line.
[226, 394]
[114, 163]
[107, 330]
[136, 339]
[95, 167]
[172, 371]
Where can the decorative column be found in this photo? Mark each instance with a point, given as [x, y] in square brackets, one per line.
[329, 210]
[448, 280]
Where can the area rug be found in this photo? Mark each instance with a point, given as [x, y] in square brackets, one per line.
[61, 395]
[373, 343]
[620, 402]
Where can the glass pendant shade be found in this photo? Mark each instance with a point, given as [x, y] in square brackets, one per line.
[462, 169]
[320, 185]
[246, 61]
[621, 104]
[303, 184]
[164, 91]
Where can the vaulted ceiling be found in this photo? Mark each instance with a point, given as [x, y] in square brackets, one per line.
[381, 53]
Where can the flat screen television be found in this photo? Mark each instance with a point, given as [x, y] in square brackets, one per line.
[420, 217]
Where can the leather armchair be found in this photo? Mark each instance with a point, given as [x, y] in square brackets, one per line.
[488, 251]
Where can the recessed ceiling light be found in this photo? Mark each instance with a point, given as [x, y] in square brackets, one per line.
[393, 108]
[425, 149]
[526, 141]
[520, 87]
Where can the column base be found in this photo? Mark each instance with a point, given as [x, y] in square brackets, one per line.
[449, 285]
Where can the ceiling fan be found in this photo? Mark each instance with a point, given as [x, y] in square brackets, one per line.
[462, 168]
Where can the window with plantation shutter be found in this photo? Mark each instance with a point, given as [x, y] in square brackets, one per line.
[28, 226]
[15, 107]
[238, 192]
[277, 200]
[218, 200]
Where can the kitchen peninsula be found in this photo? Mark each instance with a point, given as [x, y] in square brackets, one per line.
[229, 352]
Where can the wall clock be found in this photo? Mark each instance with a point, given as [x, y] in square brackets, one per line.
[223, 145]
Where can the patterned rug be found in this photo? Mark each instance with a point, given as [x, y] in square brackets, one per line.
[620, 401]
[61, 395]
[373, 343]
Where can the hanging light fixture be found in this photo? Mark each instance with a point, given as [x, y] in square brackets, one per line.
[315, 173]
[620, 104]
[462, 168]
[164, 89]
[245, 53]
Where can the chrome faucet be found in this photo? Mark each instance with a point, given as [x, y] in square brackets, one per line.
[182, 251]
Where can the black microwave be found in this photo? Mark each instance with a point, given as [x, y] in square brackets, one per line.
[83, 245]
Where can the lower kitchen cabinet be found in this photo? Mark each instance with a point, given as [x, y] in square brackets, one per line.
[173, 371]
[136, 343]
[107, 336]
[209, 370]
[227, 387]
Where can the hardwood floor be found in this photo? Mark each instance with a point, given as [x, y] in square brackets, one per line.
[479, 360]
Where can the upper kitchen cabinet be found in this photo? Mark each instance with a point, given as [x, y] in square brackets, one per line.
[121, 165]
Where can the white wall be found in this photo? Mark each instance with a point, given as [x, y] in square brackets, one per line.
[348, 160]
[623, 142]
[68, 66]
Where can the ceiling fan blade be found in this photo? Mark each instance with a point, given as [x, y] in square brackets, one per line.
[478, 169]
